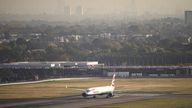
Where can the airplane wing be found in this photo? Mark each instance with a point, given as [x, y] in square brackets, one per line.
[76, 88]
[122, 91]
[81, 90]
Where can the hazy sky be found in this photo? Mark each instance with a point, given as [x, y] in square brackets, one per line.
[97, 6]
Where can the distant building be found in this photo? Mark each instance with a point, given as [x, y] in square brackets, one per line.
[106, 35]
[189, 40]
[79, 11]
[188, 17]
[132, 9]
[48, 65]
[67, 11]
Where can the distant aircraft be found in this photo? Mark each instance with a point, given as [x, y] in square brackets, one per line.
[103, 90]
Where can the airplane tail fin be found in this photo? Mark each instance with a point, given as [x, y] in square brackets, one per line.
[113, 81]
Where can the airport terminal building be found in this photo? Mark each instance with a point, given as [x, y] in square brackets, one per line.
[22, 71]
[49, 65]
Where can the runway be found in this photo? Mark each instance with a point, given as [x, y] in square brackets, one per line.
[75, 101]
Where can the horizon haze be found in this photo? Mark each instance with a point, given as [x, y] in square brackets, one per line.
[140, 7]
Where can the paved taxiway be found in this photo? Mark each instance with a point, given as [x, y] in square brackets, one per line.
[75, 101]
[41, 81]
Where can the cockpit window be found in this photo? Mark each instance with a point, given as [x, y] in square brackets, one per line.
[87, 90]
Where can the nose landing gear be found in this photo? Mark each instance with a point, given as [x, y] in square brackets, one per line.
[84, 95]
[109, 95]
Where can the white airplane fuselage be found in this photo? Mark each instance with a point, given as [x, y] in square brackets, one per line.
[102, 90]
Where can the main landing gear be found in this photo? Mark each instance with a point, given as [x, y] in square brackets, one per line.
[109, 95]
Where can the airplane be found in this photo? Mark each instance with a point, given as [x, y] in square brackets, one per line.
[103, 90]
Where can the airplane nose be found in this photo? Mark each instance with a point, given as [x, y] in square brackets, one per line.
[84, 94]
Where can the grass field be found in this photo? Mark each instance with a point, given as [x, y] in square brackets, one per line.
[58, 88]
[165, 102]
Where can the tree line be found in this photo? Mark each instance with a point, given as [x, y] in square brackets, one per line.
[128, 44]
